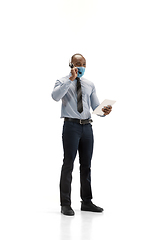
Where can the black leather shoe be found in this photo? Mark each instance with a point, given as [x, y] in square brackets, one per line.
[67, 210]
[90, 207]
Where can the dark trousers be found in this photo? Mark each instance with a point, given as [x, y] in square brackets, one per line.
[76, 137]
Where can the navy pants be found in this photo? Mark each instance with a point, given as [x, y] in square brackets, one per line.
[76, 137]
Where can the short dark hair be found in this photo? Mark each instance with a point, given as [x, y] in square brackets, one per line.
[75, 55]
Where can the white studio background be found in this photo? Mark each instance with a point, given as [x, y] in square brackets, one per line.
[120, 41]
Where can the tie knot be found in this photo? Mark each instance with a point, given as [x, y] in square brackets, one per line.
[77, 78]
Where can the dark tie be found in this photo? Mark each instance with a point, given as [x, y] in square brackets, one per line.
[79, 96]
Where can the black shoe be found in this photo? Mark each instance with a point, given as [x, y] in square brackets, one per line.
[67, 210]
[90, 207]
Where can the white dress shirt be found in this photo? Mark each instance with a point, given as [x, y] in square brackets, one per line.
[65, 89]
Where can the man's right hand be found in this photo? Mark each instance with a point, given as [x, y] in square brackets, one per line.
[74, 72]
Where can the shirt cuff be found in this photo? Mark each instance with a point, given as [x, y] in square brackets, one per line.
[66, 83]
[101, 115]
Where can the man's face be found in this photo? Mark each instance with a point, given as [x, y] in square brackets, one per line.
[79, 61]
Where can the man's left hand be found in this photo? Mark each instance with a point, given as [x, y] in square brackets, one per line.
[107, 110]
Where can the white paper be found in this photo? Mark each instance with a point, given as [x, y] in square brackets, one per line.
[106, 102]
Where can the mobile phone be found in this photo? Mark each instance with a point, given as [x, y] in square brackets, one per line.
[71, 65]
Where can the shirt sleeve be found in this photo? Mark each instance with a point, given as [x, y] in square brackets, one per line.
[60, 89]
[94, 100]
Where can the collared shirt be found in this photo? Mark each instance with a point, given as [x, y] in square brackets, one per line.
[65, 89]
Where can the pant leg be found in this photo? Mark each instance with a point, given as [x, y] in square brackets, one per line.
[71, 136]
[85, 156]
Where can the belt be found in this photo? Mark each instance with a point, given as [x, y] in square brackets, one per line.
[80, 121]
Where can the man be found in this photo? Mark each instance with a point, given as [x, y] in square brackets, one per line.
[78, 95]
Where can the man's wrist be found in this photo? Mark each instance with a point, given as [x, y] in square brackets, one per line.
[72, 78]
